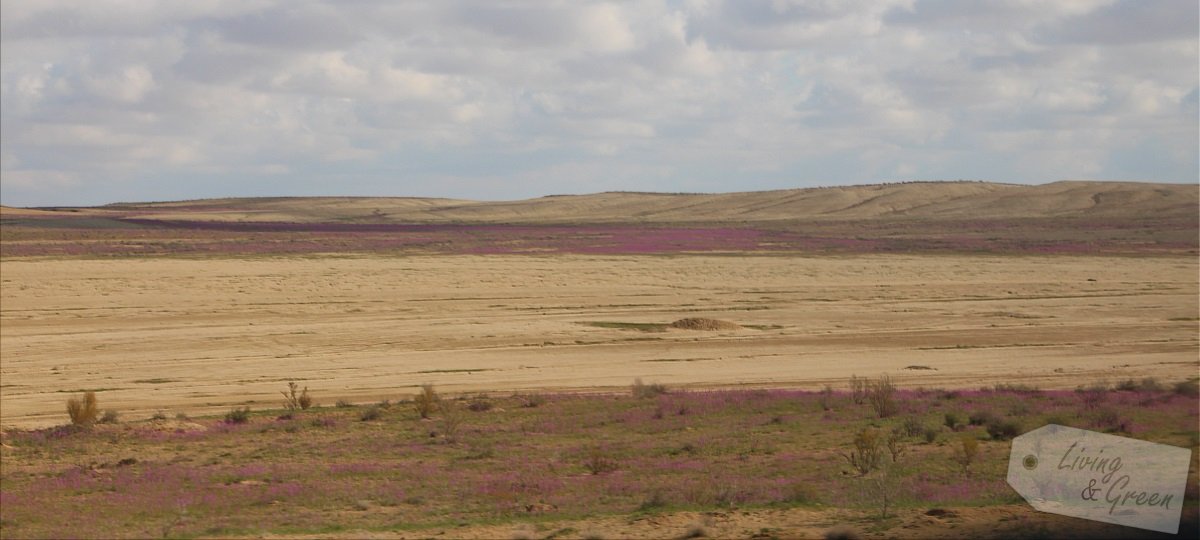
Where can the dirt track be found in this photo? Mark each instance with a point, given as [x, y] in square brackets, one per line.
[200, 335]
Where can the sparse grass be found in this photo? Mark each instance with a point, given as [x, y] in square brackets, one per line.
[724, 452]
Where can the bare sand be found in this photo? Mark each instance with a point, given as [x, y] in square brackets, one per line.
[201, 335]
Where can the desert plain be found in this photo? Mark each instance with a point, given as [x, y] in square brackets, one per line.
[202, 335]
[1074, 303]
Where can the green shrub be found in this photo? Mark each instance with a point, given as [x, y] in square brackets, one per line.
[238, 416]
[951, 421]
[912, 426]
[966, 452]
[930, 435]
[982, 418]
[83, 412]
[1003, 430]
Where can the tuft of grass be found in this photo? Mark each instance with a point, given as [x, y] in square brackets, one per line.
[109, 417]
[84, 411]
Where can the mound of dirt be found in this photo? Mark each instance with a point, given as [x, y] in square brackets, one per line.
[695, 323]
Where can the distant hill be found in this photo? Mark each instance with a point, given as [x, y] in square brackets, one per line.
[902, 201]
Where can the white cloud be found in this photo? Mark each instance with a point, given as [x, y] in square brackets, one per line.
[502, 99]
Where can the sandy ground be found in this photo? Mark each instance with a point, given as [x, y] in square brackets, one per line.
[200, 335]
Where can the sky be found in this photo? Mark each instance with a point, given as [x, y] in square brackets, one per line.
[141, 100]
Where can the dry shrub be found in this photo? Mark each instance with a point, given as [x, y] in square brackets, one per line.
[110, 417]
[826, 398]
[83, 412]
[452, 419]
[881, 394]
[426, 401]
[293, 400]
[858, 389]
[642, 390]
[895, 444]
[599, 462]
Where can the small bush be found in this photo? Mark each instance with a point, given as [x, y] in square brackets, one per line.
[866, 454]
[951, 421]
[159, 415]
[1110, 421]
[1003, 430]
[343, 404]
[530, 401]
[654, 502]
[109, 417]
[931, 435]
[1189, 388]
[641, 390]
[480, 403]
[83, 412]
[966, 452]
[982, 418]
[599, 462]
[426, 401]
[912, 426]
[370, 413]
[238, 416]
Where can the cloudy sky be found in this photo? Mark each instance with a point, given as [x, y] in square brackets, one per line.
[138, 100]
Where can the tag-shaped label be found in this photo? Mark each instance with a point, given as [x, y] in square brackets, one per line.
[1090, 475]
